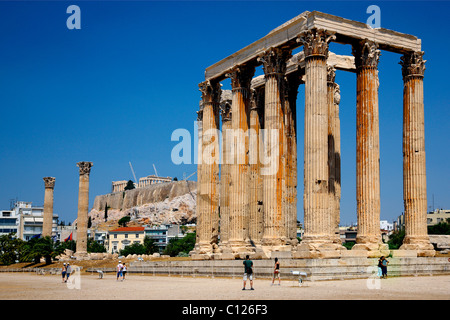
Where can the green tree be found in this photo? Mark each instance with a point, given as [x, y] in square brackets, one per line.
[36, 248]
[89, 225]
[9, 248]
[130, 185]
[124, 220]
[135, 248]
[176, 245]
[95, 246]
[440, 228]
[349, 245]
[150, 245]
[396, 239]
[106, 212]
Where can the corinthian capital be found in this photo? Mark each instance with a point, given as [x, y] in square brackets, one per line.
[315, 42]
[210, 91]
[274, 61]
[366, 53]
[85, 167]
[49, 182]
[241, 76]
[413, 64]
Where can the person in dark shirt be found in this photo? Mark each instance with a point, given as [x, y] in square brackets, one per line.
[248, 272]
[276, 272]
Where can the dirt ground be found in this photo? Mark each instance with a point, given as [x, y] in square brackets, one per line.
[31, 286]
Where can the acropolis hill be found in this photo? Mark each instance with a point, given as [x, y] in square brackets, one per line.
[169, 202]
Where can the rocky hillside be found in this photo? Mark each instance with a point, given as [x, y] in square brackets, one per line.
[172, 202]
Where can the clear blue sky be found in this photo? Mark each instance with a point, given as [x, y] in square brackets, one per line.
[114, 91]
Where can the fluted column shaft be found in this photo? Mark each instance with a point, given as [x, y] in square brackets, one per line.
[225, 179]
[48, 207]
[292, 82]
[414, 169]
[317, 218]
[256, 208]
[316, 150]
[83, 206]
[274, 64]
[367, 146]
[334, 153]
[239, 168]
[208, 198]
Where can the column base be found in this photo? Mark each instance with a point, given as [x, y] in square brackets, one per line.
[82, 255]
[375, 249]
[318, 249]
[421, 244]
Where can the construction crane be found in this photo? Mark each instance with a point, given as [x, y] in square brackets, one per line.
[156, 172]
[189, 176]
[135, 181]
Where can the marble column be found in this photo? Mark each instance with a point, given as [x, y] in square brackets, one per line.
[83, 207]
[225, 179]
[367, 147]
[48, 207]
[274, 64]
[414, 170]
[334, 152]
[317, 218]
[256, 208]
[208, 198]
[238, 240]
[293, 81]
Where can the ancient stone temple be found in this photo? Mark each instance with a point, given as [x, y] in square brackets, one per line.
[247, 169]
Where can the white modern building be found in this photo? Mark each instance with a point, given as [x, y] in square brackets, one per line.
[25, 221]
[385, 225]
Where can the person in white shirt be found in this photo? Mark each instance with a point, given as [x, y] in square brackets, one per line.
[119, 270]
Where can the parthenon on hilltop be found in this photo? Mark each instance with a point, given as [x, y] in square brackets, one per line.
[247, 189]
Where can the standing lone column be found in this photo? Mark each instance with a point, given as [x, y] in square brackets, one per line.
[48, 206]
[367, 148]
[414, 171]
[208, 196]
[274, 65]
[317, 238]
[83, 207]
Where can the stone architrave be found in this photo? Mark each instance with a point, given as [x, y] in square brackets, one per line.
[83, 207]
[414, 169]
[274, 64]
[238, 232]
[48, 206]
[208, 198]
[367, 148]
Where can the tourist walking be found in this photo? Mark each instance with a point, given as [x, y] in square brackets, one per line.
[119, 271]
[276, 272]
[384, 264]
[248, 272]
[68, 271]
[63, 272]
[124, 271]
